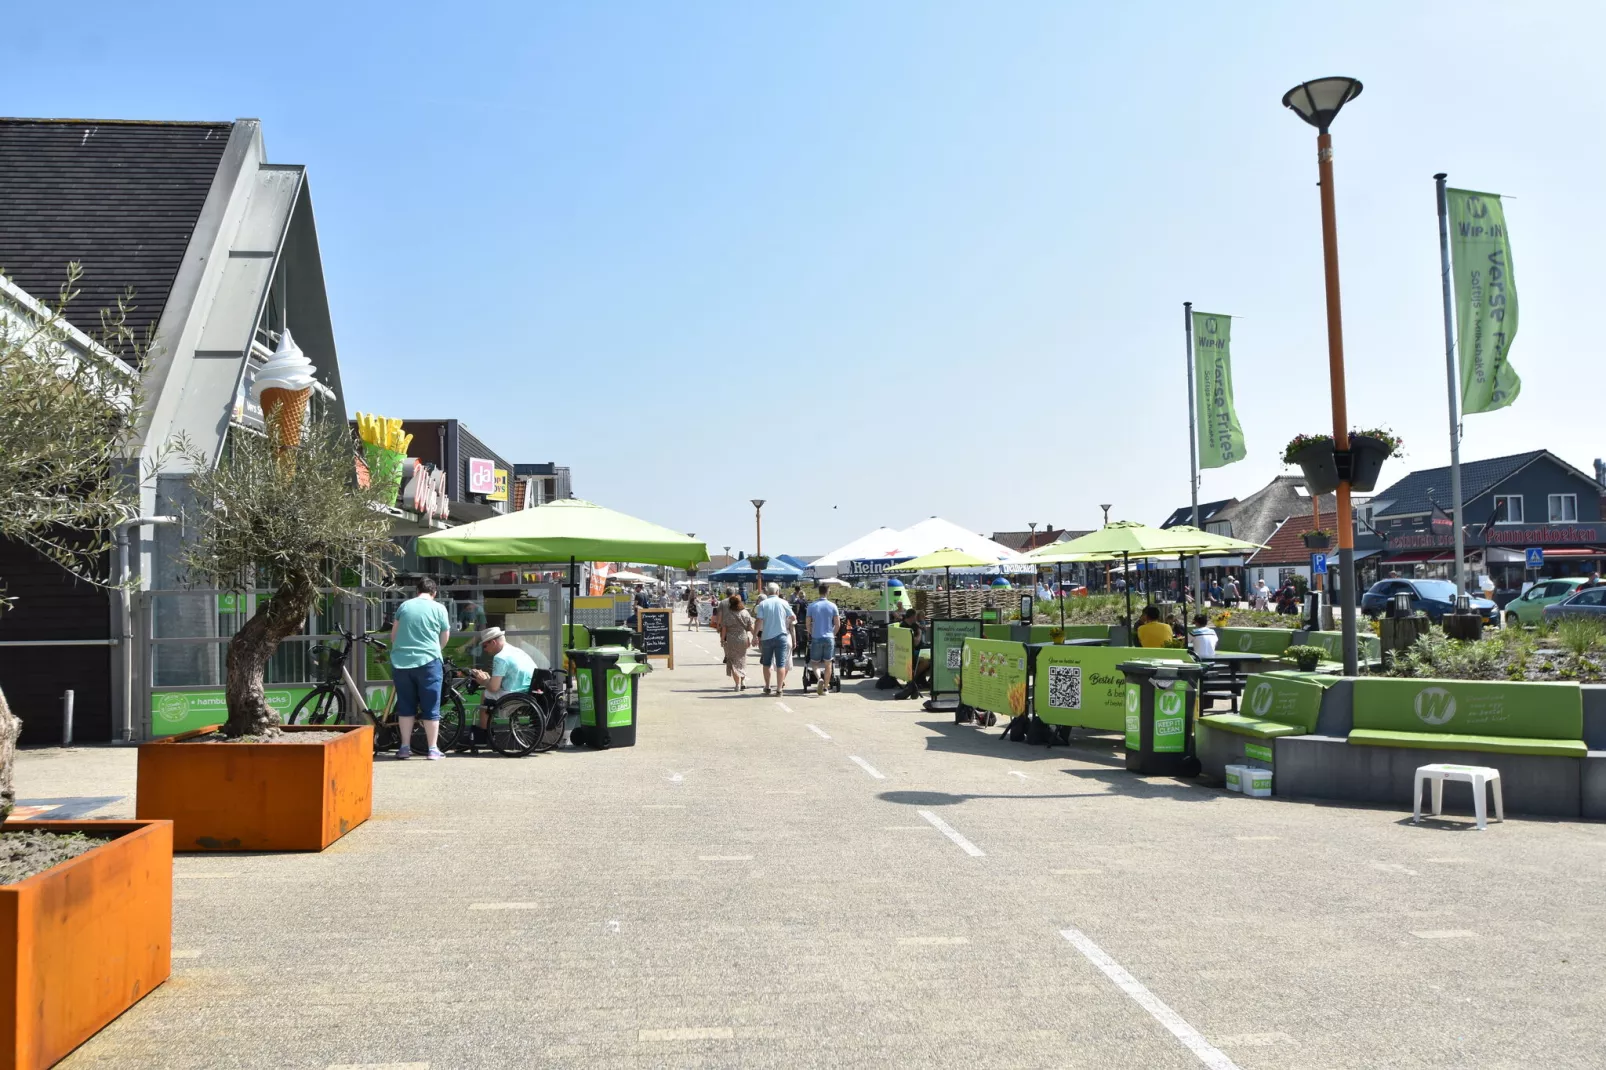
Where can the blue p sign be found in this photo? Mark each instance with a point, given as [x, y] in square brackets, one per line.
[1318, 564]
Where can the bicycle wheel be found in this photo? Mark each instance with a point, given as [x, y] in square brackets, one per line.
[556, 715]
[451, 725]
[516, 725]
[324, 705]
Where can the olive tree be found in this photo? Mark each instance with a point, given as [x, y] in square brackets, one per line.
[68, 424]
[292, 515]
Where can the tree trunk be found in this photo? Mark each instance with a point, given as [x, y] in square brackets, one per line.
[10, 728]
[249, 651]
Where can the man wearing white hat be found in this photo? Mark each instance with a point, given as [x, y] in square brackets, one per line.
[511, 671]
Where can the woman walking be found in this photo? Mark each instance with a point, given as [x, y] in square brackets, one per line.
[736, 632]
[691, 608]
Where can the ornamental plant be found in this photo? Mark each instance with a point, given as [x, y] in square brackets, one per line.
[1299, 443]
[1396, 445]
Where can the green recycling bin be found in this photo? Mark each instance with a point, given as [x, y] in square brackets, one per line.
[619, 635]
[605, 681]
[1161, 697]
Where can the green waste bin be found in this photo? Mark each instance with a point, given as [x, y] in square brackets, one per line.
[619, 635]
[605, 680]
[1161, 697]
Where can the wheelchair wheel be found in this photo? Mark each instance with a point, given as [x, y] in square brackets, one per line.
[556, 715]
[516, 726]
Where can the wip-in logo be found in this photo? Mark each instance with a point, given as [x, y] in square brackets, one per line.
[1131, 700]
[618, 685]
[1260, 699]
[1434, 705]
[1246, 640]
[584, 686]
[1169, 704]
[967, 655]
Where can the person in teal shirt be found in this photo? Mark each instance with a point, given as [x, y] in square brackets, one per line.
[511, 670]
[416, 641]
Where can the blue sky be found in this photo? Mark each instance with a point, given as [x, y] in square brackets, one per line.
[876, 261]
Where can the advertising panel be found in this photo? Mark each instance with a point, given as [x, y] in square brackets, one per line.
[1080, 686]
[993, 676]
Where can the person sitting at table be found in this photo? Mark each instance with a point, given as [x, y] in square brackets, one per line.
[1153, 631]
[1202, 640]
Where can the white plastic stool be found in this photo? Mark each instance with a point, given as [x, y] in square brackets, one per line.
[1476, 775]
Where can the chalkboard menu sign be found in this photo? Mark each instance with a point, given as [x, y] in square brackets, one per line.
[657, 633]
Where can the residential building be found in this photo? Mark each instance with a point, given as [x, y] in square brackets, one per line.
[537, 484]
[1207, 515]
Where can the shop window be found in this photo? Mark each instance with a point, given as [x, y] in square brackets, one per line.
[1563, 508]
[1508, 508]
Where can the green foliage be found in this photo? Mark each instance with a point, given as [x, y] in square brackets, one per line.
[1580, 635]
[1305, 657]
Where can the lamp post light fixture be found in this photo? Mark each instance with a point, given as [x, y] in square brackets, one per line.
[758, 538]
[1106, 509]
[1318, 103]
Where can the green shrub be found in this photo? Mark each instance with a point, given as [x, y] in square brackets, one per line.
[1580, 635]
[1305, 657]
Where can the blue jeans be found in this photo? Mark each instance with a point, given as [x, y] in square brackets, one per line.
[776, 651]
[821, 650]
[419, 690]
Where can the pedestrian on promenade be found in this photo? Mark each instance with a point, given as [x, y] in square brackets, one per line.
[1260, 596]
[823, 615]
[775, 618]
[735, 636]
[1230, 592]
[691, 608]
[416, 641]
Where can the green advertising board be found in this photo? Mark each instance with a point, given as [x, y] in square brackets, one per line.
[1253, 640]
[1080, 686]
[900, 653]
[1370, 647]
[1485, 299]
[1287, 698]
[173, 712]
[993, 676]
[948, 651]
[1258, 751]
[1132, 704]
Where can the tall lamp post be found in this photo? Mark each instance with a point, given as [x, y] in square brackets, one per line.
[1318, 103]
[760, 562]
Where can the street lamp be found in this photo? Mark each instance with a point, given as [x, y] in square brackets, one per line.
[758, 539]
[1106, 509]
[1318, 103]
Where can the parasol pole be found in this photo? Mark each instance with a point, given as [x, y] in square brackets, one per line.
[1059, 581]
[948, 588]
[1126, 570]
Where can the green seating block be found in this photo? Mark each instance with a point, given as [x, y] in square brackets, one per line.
[1268, 641]
[1238, 724]
[1289, 698]
[1471, 708]
[1375, 737]
[1370, 647]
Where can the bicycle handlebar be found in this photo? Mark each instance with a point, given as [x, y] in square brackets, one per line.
[363, 637]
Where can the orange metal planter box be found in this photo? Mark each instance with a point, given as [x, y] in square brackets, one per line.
[259, 796]
[83, 941]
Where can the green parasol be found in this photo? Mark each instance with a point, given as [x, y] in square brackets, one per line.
[945, 559]
[1124, 540]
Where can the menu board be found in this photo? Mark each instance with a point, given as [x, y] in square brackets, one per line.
[657, 633]
[993, 676]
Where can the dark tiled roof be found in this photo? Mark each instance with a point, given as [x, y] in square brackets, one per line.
[1287, 544]
[1255, 518]
[1022, 541]
[120, 198]
[1410, 496]
[1206, 511]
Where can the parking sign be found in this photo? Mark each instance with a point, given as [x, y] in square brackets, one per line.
[1318, 564]
[1536, 557]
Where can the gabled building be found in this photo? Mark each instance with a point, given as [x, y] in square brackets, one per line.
[1521, 501]
[219, 247]
[1207, 515]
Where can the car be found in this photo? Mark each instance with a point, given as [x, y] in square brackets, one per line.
[1529, 607]
[1590, 602]
[1433, 597]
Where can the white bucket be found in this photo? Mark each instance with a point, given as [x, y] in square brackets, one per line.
[1235, 777]
[1257, 782]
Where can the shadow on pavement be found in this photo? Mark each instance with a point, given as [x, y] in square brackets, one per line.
[943, 798]
[989, 742]
[1122, 782]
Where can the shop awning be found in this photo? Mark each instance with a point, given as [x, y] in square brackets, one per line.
[1575, 552]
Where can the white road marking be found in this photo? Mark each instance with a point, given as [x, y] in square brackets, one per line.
[867, 767]
[1014, 773]
[949, 831]
[1072, 872]
[1443, 934]
[788, 791]
[724, 858]
[504, 906]
[1190, 1037]
[704, 1033]
[1393, 867]
[674, 778]
[784, 706]
[932, 941]
[1255, 839]
[815, 730]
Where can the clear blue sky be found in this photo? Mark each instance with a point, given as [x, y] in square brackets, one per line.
[949, 241]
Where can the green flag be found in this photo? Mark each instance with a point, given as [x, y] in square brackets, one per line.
[1485, 300]
[1221, 440]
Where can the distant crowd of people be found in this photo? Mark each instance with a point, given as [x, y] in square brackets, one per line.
[768, 627]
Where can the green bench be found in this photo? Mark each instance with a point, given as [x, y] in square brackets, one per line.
[1370, 647]
[1268, 641]
[1470, 715]
[1276, 704]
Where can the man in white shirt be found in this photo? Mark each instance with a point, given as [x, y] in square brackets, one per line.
[1202, 639]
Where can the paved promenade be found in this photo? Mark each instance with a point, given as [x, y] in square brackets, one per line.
[847, 881]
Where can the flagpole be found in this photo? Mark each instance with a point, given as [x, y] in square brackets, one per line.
[1193, 453]
[1453, 382]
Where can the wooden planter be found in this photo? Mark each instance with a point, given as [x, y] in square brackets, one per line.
[259, 796]
[83, 941]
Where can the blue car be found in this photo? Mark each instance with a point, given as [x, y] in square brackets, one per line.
[1433, 597]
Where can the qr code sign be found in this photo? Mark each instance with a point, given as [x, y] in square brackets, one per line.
[954, 654]
[1065, 687]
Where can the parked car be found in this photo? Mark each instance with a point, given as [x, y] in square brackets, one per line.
[1529, 607]
[1587, 603]
[1433, 597]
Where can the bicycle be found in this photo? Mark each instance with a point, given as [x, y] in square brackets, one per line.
[326, 703]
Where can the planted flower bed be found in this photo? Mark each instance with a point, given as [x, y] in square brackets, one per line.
[1573, 650]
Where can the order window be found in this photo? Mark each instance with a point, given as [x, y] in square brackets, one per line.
[1563, 508]
[1508, 508]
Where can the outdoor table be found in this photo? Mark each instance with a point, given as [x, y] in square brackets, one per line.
[1084, 642]
[1236, 663]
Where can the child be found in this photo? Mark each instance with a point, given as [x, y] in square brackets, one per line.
[1202, 640]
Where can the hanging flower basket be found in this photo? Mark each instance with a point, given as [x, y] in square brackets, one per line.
[1317, 540]
[1314, 456]
[1368, 451]
[759, 563]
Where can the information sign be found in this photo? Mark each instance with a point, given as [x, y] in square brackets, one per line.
[1318, 564]
[1534, 556]
[947, 651]
[657, 633]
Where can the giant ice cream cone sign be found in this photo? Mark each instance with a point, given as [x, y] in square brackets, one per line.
[283, 387]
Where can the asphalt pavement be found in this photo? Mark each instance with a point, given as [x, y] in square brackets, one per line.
[849, 881]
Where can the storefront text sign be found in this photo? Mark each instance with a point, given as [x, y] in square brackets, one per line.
[481, 476]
